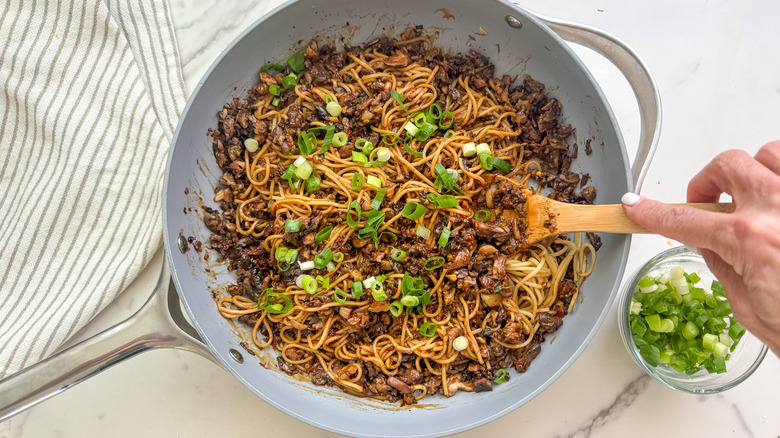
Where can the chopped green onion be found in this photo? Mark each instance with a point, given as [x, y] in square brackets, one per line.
[482, 215]
[681, 325]
[275, 101]
[323, 258]
[340, 296]
[289, 173]
[410, 300]
[281, 253]
[274, 302]
[269, 67]
[251, 144]
[433, 263]
[446, 179]
[445, 237]
[340, 139]
[357, 289]
[378, 292]
[323, 281]
[422, 231]
[273, 89]
[374, 181]
[397, 254]
[399, 99]
[469, 149]
[390, 234]
[500, 376]
[309, 284]
[312, 184]
[354, 205]
[292, 226]
[296, 62]
[412, 151]
[359, 157]
[364, 145]
[502, 165]
[446, 120]
[428, 329]
[483, 148]
[291, 255]
[323, 234]
[411, 128]
[446, 201]
[396, 308]
[460, 343]
[289, 81]
[390, 139]
[425, 130]
[333, 108]
[338, 257]
[720, 349]
[486, 161]
[376, 203]
[413, 210]
[435, 111]
[357, 181]
[448, 134]
[304, 170]
[382, 154]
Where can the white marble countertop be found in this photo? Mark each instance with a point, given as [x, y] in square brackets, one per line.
[718, 72]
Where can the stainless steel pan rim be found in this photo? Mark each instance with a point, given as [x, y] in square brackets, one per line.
[156, 328]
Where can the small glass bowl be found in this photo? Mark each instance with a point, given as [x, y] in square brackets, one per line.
[745, 358]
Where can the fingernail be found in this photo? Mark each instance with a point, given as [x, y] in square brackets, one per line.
[693, 249]
[630, 198]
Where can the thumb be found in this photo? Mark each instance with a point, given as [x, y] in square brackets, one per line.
[689, 225]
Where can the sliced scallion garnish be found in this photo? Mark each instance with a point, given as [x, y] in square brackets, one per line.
[357, 181]
[482, 215]
[413, 210]
[292, 226]
[296, 62]
[323, 234]
[399, 99]
[428, 329]
[433, 263]
[444, 237]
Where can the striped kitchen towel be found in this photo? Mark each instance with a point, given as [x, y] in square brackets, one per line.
[90, 94]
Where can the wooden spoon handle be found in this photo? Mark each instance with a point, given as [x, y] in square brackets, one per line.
[611, 218]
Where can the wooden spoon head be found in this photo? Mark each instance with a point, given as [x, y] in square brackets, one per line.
[540, 215]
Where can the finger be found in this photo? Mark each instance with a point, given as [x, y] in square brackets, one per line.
[689, 225]
[733, 284]
[733, 172]
[769, 156]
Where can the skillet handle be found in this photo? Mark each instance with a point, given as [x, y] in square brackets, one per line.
[151, 327]
[638, 76]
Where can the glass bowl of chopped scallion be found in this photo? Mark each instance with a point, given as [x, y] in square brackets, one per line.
[677, 324]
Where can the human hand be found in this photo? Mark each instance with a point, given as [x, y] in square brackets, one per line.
[742, 249]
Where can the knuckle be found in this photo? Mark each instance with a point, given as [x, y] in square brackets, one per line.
[747, 228]
[769, 153]
[727, 159]
[672, 219]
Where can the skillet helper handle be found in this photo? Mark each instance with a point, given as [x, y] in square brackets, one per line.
[149, 328]
[638, 76]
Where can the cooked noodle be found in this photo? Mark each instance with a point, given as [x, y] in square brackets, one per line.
[499, 294]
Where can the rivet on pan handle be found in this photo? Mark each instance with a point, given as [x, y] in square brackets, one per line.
[154, 326]
[638, 76]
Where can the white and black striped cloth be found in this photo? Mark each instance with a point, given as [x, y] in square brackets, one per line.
[90, 94]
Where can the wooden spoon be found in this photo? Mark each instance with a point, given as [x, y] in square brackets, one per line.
[547, 218]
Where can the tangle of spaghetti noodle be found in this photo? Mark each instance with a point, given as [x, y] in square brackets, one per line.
[423, 282]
